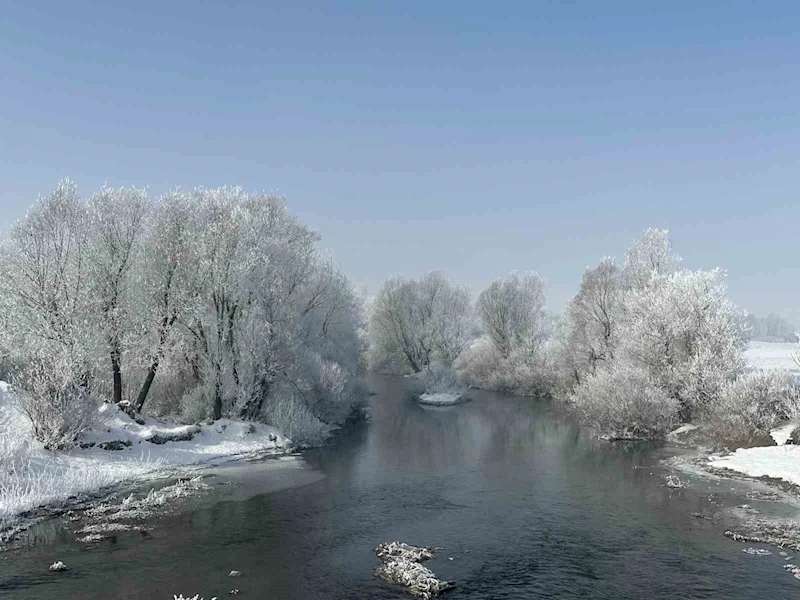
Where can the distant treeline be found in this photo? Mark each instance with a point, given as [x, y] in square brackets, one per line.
[771, 328]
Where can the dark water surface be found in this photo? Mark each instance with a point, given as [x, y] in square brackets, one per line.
[525, 503]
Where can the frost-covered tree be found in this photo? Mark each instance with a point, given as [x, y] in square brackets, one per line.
[685, 331]
[512, 313]
[217, 298]
[252, 256]
[415, 322]
[116, 224]
[45, 327]
[591, 321]
[649, 256]
[43, 283]
[168, 280]
[509, 356]
[271, 318]
[674, 331]
[588, 336]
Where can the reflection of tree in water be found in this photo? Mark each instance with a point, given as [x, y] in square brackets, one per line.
[523, 443]
[488, 431]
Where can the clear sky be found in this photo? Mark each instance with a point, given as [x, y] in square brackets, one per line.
[475, 138]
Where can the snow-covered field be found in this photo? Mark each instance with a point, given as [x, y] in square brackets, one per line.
[773, 355]
[32, 477]
[442, 399]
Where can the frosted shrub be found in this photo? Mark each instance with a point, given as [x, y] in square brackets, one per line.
[483, 366]
[749, 407]
[336, 392]
[290, 414]
[196, 405]
[624, 402]
[441, 379]
[58, 407]
[479, 364]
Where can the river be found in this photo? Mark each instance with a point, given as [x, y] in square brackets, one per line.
[523, 502]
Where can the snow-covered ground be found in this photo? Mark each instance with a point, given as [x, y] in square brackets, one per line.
[32, 477]
[441, 399]
[773, 355]
[779, 462]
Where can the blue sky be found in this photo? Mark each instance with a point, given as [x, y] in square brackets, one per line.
[474, 138]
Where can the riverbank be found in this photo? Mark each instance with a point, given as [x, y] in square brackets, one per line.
[117, 453]
[771, 511]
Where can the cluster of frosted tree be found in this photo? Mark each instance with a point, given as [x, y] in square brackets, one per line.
[415, 323]
[649, 345]
[510, 355]
[640, 348]
[211, 303]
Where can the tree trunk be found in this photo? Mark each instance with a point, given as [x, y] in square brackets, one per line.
[217, 397]
[145, 389]
[252, 407]
[151, 372]
[414, 366]
[116, 370]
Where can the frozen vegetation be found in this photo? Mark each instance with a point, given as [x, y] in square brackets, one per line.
[145, 334]
[644, 347]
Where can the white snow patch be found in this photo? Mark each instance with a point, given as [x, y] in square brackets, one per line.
[779, 462]
[783, 432]
[32, 477]
[773, 355]
[440, 399]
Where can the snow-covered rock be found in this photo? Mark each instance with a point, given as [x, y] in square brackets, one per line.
[401, 565]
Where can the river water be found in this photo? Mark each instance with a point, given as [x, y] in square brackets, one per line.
[522, 501]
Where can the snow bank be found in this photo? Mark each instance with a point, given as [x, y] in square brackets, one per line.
[772, 355]
[779, 462]
[444, 399]
[202, 443]
[32, 477]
